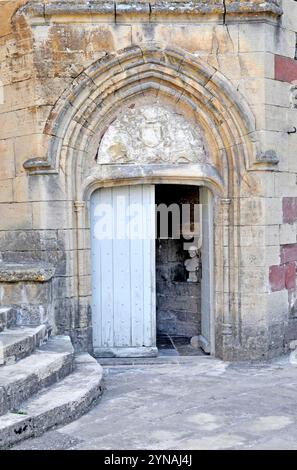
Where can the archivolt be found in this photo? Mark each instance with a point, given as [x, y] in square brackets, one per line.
[179, 77]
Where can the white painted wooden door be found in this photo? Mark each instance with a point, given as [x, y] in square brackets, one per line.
[123, 271]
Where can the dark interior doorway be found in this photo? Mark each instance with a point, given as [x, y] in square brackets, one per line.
[178, 300]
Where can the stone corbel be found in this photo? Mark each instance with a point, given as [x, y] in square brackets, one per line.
[38, 166]
[269, 157]
[26, 272]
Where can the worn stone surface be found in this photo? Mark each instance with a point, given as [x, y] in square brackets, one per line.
[222, 70]
[62, 402]
[18, 342]
[151, 134]
[197, 403]
[50, 363]
[10, 272]
[8, 318]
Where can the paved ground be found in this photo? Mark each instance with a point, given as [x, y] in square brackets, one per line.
[196, 403]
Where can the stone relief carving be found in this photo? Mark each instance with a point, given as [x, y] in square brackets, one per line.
[151, 134]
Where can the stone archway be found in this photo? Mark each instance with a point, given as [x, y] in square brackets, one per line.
[208, 103]
[148, 134]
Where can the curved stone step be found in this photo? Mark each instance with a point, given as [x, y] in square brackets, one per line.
[8, 318]
[59, 404]
[47, 365]
[17, 343]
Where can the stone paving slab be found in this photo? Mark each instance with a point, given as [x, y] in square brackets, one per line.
[199, 403]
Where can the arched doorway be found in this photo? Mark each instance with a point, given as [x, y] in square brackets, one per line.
[210, 113]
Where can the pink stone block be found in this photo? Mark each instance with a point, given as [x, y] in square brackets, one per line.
[289, 210]
[277, 278]
[289, 253]
[285, 69]
[290, 275]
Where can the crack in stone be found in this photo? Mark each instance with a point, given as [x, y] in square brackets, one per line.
[225, 12]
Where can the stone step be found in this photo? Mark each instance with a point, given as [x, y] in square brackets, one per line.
[8, 318]
[58, 404]
[18, 342]
[19, 381]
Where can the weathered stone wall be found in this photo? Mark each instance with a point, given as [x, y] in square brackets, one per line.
[46, 46]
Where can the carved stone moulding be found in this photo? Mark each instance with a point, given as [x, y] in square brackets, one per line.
[218, 10]
[191, 95]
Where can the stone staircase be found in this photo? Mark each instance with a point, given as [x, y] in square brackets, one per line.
[42, 382]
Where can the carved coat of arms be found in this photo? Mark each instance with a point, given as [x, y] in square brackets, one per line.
[151, 134]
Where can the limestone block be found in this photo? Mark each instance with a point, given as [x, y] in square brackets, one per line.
[85, 286]
[253, 89]
[52, 215]
[6, 193]
[7, 169]
[289, 18]
[229, 65]
[280, 41]
[29, 293]
[19, 240]
[67, 238]
[200, 39]
[256, 211]
[277, 93]
[254, 308]
[84, 260]
[253, 64]
[84, 237]
[291, 146]
[272, 118]
[29, 146]
[18, 95]
[47, 90]
[23, 122]
[254, 280]
[22, 68]
[39, 188]
[273, 211]
[30, 272]
[259, 235]
[272, 235]
[257, 184]
[286, 184]
[269, 65]
[252, 37]
[255, 257]
[272, 255]
[251, 211]
[84, 318]
[277, 306]
[16, 216]
[64, 287]
[86, 41]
